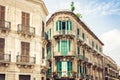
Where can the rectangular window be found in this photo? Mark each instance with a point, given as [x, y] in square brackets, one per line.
[2, 16]
[43, 53]
[25, 50]
[2, 47]
[25, 21]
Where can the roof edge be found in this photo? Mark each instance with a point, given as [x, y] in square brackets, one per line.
[77, 19]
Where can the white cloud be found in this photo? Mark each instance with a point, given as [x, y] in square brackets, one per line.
[111, 40]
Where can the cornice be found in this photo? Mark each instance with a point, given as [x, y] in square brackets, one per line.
[40, 2]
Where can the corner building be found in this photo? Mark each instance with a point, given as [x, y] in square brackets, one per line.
[22, 54]
[110, 69]
[73, 51]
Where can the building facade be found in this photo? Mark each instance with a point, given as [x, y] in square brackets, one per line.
[74, 52]
[22, 53]
[110, 69]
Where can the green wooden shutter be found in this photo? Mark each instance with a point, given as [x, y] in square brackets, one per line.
[70, 25]
[57, 25]
[50, 34]
[64, 49]
[83, 53]
[67, 25]
[83, 36]
[78, 32]
[58, 45]
[92, 44]
[85, 70]
[69, 67]
[60, 25]
[69, 45]
[78, 50]
[60, 68]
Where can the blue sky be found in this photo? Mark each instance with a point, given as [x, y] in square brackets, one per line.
[101, 16]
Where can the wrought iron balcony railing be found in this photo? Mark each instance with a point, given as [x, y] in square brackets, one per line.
[25, 59]
[64, 33]
[5, 57]
[5, 25]
[26, 29]
[68, 74]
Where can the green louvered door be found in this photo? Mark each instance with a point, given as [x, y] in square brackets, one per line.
[64, 46]
[64, 49]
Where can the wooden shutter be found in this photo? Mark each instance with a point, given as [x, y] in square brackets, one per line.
[64, 49]
[57, 24]
[2, 44]
[58, 45]
[69, 45]
[25, 50]
[78, 50]
[83, 36]
[83, 53]
[2, 16]
[70, 23]
[25, 21]
[42, 28]
[43, 53]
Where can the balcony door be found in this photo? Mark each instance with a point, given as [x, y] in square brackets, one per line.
[2, 16]
[25, 22]
[2, 46]
[64, 46]
[25, 50]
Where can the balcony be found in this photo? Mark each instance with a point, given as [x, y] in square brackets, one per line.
[44, 66]
[64, 34]
[82, 76]
[89, 62]
[5, 59]
[5, 26]
[70, 54]
[79, 40]
[82, 58]
[25, 61]
[26, 31]
[49, 57]
[94, 64]
[44, 38]
[64, 75]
